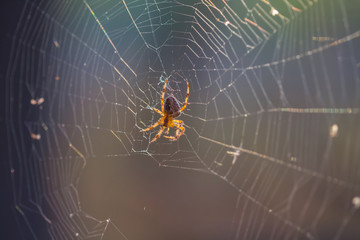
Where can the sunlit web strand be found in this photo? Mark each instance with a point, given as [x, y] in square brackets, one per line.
[107, 36]
[309, 172]
[251, 198]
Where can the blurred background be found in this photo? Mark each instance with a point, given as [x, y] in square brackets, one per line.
[271, 147]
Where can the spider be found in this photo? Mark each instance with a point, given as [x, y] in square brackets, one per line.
[169, 111]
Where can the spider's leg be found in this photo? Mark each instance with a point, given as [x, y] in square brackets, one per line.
[187, 97]
[172, 138]
[157, 110]
[178, 123]
[151, 127]
[158, 134]
[163, 95]
[179, 131]
[167, 130]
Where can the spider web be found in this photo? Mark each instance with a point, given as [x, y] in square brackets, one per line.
[273, 115]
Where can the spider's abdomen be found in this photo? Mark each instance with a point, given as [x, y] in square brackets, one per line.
[172, 107]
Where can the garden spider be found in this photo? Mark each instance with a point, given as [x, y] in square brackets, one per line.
[169, 111]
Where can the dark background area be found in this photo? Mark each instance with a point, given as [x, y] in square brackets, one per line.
[9, 16]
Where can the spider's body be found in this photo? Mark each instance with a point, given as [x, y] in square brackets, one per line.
[172, 107]
[169, 111]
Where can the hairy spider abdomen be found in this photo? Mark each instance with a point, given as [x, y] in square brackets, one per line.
[172, 107]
